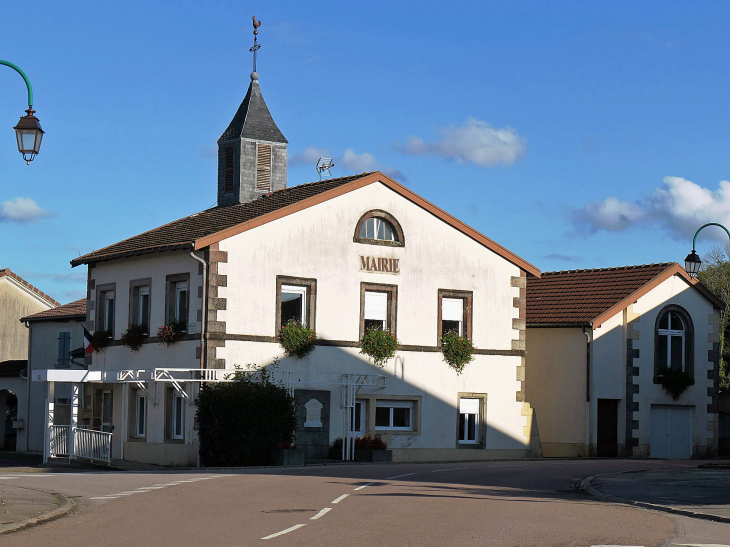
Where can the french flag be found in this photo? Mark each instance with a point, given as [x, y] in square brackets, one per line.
[88, 342]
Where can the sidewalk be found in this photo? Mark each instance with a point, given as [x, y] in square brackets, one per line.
[690, 491]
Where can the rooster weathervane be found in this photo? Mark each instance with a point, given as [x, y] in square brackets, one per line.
[256, 46]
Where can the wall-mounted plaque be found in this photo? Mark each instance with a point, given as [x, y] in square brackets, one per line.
[314, 413]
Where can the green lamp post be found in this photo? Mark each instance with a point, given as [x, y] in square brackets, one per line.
[692, 263]
[28, 132]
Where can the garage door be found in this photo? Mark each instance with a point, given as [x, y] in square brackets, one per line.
[671, 432]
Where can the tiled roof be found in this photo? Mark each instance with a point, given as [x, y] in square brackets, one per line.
[253, 119]
[67, 311]
[182, 233]
[580, 296]
[5, 272]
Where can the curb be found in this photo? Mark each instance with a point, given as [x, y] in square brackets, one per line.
[586, 487]
[67, 505]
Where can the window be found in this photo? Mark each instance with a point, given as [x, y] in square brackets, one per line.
[673, 341]
[357, 420]
[295, 301]
[64, 349]
[469, 421]
[139, 305]
[105, 308]
[177, 416]
[140, 415]
[455, 312]
[263, 167]
[378, 304]
[228, 169]
[177, 299]
[378, 227]
[396, 415]
[181, 302]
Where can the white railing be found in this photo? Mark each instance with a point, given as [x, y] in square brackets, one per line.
[92, 445]
[58, 442]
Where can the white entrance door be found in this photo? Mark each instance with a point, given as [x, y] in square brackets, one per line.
[671, 432]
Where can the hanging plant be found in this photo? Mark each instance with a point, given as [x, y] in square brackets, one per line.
[133, 337]
[379, 346]
[457, 350]
[675, 382]
[297, 339]
[169, 334]
[100, 339]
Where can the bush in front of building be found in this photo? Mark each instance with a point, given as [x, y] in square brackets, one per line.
[379, 346]
[675, 382]
[169, 334]
[297, 339]
[458, 350]
[100, 339]
[241, 421]
[133, 337]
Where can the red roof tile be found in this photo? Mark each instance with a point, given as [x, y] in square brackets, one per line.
[67, 311]
[5, 272]
[577, 297]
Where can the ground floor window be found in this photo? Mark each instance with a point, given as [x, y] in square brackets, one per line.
[357, 419]
[469, 421]
[140, 417]
[177, 416]
[396, 415]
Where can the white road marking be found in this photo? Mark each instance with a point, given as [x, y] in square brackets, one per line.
[123, 494]
[295, 527]
[104, 498]
[322, 513]
[342, 497]
[701, 544]
[364, 486]
[399, 476]
[455, 469]
[8, 478]
[150, 488]
[617, 546]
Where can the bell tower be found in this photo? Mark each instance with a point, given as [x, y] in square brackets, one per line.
[252, 152]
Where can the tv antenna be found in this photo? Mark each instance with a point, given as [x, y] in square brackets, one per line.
[324, 164]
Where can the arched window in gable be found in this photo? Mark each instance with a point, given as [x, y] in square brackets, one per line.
[673, 341]
[378, 227]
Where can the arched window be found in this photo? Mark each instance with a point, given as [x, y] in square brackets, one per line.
[673, 341]
[379, 228]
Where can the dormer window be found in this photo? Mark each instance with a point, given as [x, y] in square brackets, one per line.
[379, 228]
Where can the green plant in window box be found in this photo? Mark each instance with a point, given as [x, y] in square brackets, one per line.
[297, 339]
[675, 381]
[100, 340]
[133, 337]
[169, 334]
[457, 350]
[379, 346]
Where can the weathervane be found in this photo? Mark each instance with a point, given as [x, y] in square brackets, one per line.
[256, 46]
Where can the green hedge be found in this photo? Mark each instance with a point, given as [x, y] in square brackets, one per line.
[241, 421]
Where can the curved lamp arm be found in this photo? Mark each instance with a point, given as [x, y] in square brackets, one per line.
[694, 241]
[27, 81]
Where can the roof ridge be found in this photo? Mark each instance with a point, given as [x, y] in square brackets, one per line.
[7, 272]
[610, 268]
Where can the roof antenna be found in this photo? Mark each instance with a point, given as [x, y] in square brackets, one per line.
[324, 164]
[256, 46]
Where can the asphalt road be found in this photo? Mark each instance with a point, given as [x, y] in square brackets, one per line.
[526, 503]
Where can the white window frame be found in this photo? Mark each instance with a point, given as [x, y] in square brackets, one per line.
[461, 316]
[142, 291]
[181, 286]
[477, 422]
[140, 418]
[391, 404]
[365, 311]
[178, 399]
[376, 222]
[300, 290]
[670, 333]
[363, 414]
[108, 301]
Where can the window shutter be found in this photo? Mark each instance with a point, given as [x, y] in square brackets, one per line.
[228, 166]
[452, 309]
[263, 167]
[376, 306]
[469, 406]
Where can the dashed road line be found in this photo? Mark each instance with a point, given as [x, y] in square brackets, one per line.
[295, 527]
[364, 486]
[322, 513]
[456, 469]
[342, 497]
[399, 476]
[105, 498]
[700, 545]
[617, 546]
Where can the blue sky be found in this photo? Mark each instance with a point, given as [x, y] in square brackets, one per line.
[576, 134]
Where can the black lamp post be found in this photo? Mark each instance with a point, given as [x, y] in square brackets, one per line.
[28, 132]
[692, 263]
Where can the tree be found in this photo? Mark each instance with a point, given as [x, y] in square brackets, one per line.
[715, 275]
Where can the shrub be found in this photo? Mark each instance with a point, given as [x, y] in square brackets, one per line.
[133, 337]
[379, 346]
[675, 382]
[368, 442]
[100, 339]
[241, 421]
[297, 339]
[457, 350]
[169, 334]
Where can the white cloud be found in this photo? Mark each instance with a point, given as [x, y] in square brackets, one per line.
[22, 210]
[474, 142]
[680, 205]
[309, 156]
[359, 163]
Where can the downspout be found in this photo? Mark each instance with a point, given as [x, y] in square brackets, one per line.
[589, 351]
[203, 324]
[27, 387]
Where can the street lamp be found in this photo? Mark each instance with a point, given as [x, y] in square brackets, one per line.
[28, 132]
[692, 263]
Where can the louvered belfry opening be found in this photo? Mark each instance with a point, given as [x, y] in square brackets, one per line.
[263, 167]
[228, 169]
